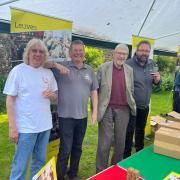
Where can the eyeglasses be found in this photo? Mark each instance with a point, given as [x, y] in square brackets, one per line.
[37, 50]
[120, 53]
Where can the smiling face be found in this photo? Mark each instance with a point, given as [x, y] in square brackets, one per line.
[120, 56]
[143, 52]
[77, 53]
[36, 56]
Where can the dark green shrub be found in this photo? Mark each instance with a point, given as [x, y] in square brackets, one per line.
[165, 63]
[166, 67]
[167, 82]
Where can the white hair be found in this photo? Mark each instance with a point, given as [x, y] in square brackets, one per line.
[122, 46]
[29, 45]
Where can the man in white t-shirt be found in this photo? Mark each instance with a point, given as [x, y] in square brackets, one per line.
[29, 89]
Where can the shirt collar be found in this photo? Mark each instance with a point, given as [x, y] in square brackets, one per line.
[71, 64]
[117, 68]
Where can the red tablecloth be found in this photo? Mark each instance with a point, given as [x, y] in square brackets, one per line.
[111, 173]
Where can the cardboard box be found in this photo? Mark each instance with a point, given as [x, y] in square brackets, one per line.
[167, 142]
[173, 116]
[158, 121]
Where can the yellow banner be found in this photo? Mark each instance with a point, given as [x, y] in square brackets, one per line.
[178, 50]
[24, 21]
[137, 39]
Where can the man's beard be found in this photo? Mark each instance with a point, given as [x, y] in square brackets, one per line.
[143, 58]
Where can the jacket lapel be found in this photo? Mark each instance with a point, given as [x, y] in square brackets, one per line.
[126, 74]
[109, 74]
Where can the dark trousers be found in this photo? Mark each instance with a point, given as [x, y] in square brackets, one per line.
[71, 133]
[176, 101]
[136, 124]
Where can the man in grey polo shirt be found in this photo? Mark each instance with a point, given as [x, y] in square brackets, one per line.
[74, 91]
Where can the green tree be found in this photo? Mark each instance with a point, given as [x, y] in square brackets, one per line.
[94, 57]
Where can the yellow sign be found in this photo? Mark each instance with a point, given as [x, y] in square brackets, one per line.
[53, 149]
[137, 39]
[178, 50]
[48, 171]
[24, 21]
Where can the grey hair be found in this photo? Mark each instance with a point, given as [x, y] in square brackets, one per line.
[77, 41]
[29, 45]
[122, 46]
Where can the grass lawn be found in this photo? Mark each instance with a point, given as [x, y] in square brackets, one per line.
[161, 103]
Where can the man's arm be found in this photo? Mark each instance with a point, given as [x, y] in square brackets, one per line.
[94, 100]
[13, 130]
[62, 69]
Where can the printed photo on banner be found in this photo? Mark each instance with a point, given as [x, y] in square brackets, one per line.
[57, 42]
[5, 53]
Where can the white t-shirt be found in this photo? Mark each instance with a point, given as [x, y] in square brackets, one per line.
[32, 109]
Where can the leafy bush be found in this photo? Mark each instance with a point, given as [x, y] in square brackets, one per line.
[165, 63]
[166, 67]
[167, 82]
[94, 57]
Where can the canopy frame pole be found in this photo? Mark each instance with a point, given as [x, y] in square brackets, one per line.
[146, 16]
[8, 2]
[172, 34]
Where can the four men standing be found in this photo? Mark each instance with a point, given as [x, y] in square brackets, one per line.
[122, 87]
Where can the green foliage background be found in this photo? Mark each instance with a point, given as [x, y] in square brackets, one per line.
[166, 67]
[94, 57]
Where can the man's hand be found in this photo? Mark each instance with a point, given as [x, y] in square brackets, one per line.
[13, 134]
[156, 77]
[63, 70]
[49, 94]
[93, 118]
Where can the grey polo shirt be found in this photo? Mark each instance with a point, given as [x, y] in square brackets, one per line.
[74, 90]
